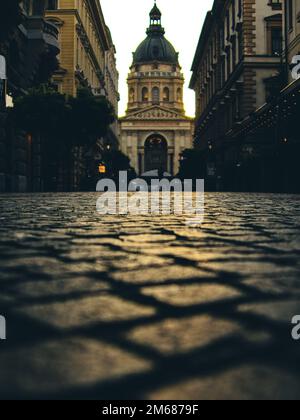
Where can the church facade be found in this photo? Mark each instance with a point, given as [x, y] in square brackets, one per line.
[155, 129]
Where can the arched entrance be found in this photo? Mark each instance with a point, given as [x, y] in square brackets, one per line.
[156, 154]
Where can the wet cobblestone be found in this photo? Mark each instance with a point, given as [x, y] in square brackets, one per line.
[145, 307]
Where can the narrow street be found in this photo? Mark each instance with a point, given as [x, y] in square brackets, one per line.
[145, 307]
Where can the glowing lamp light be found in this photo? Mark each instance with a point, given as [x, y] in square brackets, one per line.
[102, 169]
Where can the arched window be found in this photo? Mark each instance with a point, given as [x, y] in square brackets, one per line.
[131, 95]
[166, 94]
[145, 95]
[155, 95]
[179, 95]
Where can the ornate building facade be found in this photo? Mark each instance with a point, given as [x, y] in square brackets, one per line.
[236, 69]
[247, 101]
[155, 129]
[87, 57]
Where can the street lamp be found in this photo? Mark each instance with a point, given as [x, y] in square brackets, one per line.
[102, 169]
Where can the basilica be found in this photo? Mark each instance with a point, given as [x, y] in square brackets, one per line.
[155, 129]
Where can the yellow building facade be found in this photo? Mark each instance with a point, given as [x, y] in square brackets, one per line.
[87, 56]
[87, 59]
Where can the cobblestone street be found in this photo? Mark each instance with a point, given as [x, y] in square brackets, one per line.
[144, 307]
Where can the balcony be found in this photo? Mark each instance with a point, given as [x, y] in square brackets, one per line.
[41, 30]
[51, 33]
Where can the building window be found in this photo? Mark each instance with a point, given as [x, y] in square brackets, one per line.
[223, 68]
[240, 8]
[274, 35]
[35, 8]
[291, 14]
[145, 95]
[131, 95]
[276, 4]
[155, 95]
[233, 15]
[234, 52]
[179, 95]
[166, 95]
[222, 38]
[276, 41]
[228, 62]
[241, 43]
[228, 25]
[52, 4]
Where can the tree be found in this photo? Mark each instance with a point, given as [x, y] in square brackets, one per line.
[43, 111]
[62, 125]
[191, 164]
[43, 114]
[10, 17]
[117, 161]
[66, 122]
[48, 64]
[90, 118]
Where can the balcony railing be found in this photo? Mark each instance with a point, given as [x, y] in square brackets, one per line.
[51, 33]
[41, 29]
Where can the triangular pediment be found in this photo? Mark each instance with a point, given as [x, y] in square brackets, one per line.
[155, 113]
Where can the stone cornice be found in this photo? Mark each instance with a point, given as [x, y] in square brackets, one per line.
[156, 113]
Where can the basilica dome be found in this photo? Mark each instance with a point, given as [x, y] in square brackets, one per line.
[155, 48]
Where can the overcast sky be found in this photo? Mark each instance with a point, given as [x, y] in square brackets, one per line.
[182, 20]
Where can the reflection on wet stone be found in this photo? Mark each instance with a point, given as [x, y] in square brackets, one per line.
[144, 307]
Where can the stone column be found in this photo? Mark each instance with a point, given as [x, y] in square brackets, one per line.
[177, 150]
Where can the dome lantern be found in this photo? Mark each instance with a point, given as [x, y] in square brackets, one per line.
[155, 22]
[155, 16]
[155, 48]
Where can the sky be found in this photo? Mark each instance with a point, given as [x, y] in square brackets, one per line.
[182, 20]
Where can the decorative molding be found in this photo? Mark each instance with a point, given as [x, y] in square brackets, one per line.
[155, 113]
